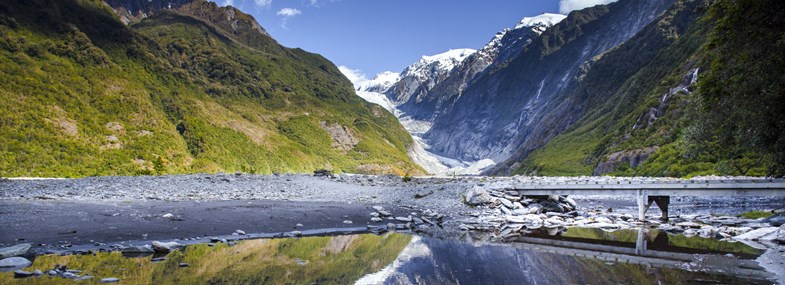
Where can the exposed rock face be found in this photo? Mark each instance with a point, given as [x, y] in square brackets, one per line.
[504, 46]
[522, 102]
[342, 136]
[232, 21]
[631, 157]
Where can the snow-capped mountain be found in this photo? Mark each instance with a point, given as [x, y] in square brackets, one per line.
[417, 79]
[380, 83]
[510, 104]
[417, 94]
[542, 21]
[504, 46]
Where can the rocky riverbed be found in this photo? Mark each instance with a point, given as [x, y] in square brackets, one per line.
[130, 213]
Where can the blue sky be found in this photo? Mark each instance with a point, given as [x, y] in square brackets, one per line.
[371, 36]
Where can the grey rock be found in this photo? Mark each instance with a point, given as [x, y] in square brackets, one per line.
[15, 262]
[376, 219]
[24, 249]
[69, 275]
[348, 222]
[554, 198]
[165, 247]
[138, 249]
[571, 202]
[506, 203]
[776, 220]
[183, 264]
[378, 208]
[158, 259]
[37, 272]
[766, 234]
[110, 280]
[385, 213]
[240, 232]
[403, 219]
[551, 206]
[423, 193]
[22, 274]
[477, 196]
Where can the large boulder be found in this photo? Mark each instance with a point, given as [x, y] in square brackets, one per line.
[24, 249]
[762, 234]
[776, 220]
[14, 263]
[165, 247]
[551, 206]
[478, 196]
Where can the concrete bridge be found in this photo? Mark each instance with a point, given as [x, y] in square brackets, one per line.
[657, 253]
[654, 191]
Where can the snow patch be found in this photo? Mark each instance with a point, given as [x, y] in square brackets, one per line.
[546, 19]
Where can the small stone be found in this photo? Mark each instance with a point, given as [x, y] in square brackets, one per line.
[348, 222]
[38, 272]
[211, 244]
[299, 225]
[506, 203]
[378, 208]
[240, 232]
[158, 259]
[69, 275]
[390, 226]
[422, 194]
[403, 219]
[110, 280]
[418, 220]
[385, 213]
[183, 264]
[376, 219]
[22, 274]
[374, 214]
[168, 216]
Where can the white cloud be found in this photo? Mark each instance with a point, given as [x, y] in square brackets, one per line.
[317, 3]
[229, 3]
[263, 3]
[356, 76]
[567, 6]
[289, 12]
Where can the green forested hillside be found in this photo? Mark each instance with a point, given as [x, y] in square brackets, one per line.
[83, 94]
[649, 116]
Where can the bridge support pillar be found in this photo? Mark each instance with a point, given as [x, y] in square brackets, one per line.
[645, 201]
[642, 197]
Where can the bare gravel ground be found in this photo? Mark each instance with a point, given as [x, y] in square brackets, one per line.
[110, 209]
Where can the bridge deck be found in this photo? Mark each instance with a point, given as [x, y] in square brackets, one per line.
[769, 187]
[659, 191]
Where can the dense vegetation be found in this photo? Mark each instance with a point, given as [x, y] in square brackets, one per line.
[84, 94]
[646, 116]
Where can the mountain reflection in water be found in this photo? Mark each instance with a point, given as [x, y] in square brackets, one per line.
[578, 256]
